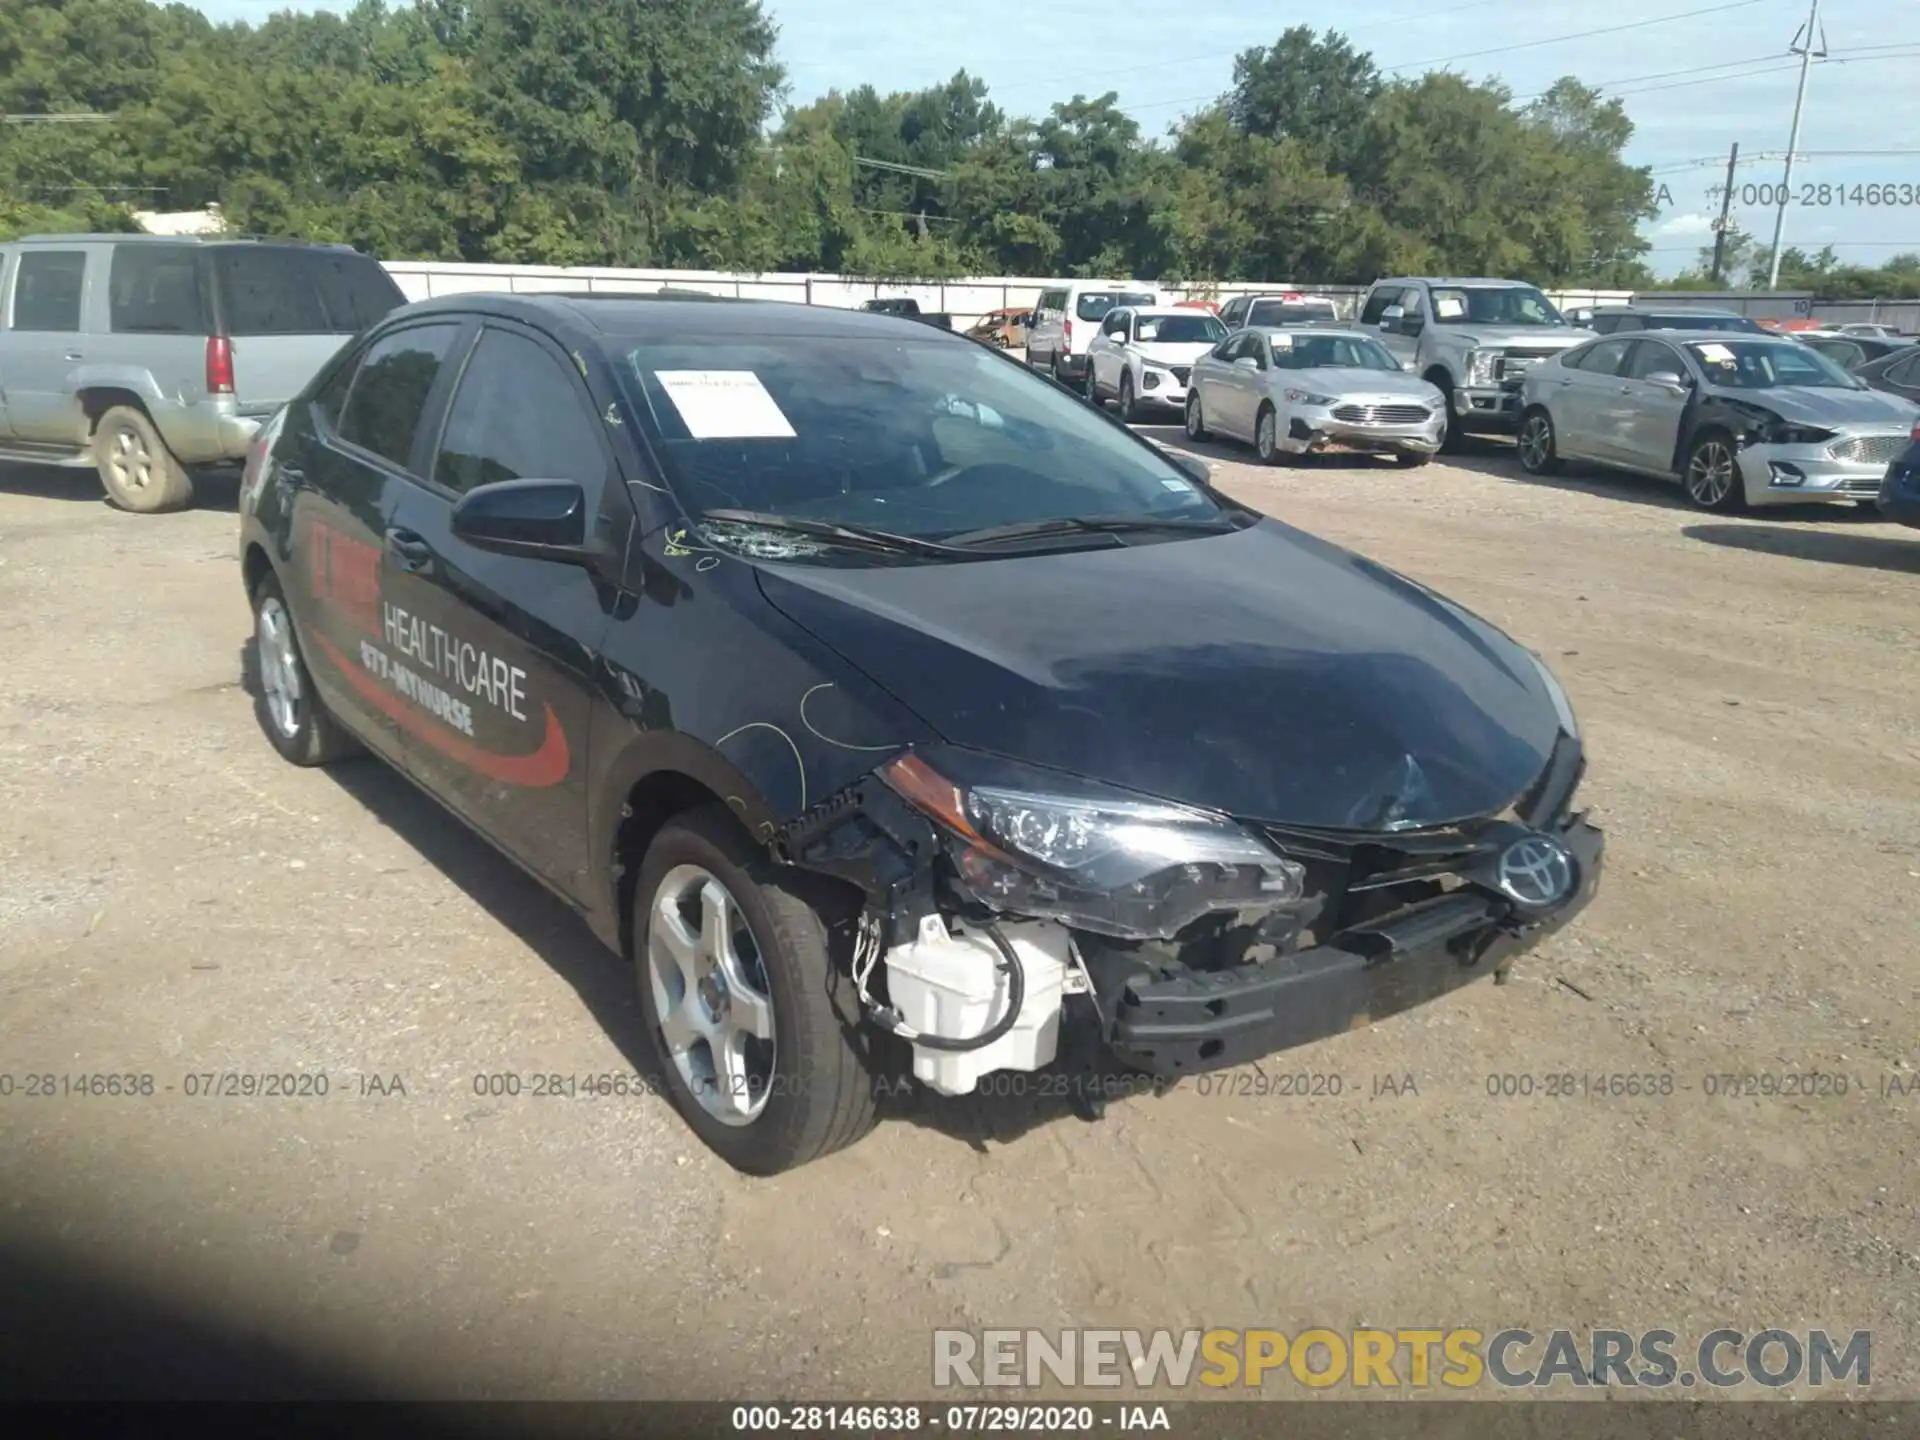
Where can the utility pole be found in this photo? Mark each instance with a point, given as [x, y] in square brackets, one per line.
[1726, 203]
[1805, 52]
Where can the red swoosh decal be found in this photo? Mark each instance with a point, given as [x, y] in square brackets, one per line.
[543, 767]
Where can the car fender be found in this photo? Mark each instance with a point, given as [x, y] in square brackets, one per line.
[809, 724]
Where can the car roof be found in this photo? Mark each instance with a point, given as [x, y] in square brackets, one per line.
[1712, 337]
[111, 238]
[1460, 280]
[1668, 310]
[1159, 311]
[1340, 332]
[678, 314]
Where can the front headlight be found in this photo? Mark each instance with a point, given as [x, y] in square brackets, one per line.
[1309, 397]
[1562, 707]
[1033, 842]
[1480, 366]
[1780, 432]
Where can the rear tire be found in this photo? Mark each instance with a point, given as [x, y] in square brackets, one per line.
[1196, 421]
[808, 1092]
[138, 471]
[1537, 444]
[290, 710]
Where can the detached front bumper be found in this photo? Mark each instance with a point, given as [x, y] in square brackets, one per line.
[1208, 1021]
[1311, 430]
[1808, 474]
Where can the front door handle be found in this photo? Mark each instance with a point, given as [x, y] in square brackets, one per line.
[409, 548]
[75, 355]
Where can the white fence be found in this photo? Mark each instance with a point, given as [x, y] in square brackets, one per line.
[965, 300]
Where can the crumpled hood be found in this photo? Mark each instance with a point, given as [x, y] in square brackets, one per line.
[1350, 381]
[1833, 409]
[1519, 337]
[1265, 674]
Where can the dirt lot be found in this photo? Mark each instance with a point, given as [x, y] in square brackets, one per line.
[174, 900]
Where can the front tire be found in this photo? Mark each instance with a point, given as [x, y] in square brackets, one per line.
[1266, 436]
[290, 710]
[1537, 443]
[135, 465]
[1129, 407]
[752, 1020]
[1712, 477]
[1412, 459]
[1453, 437]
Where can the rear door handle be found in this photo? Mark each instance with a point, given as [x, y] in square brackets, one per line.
[412, 551]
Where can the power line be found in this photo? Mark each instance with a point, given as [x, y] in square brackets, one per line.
[1236, 54]
[1825, 245]
[1578, 35]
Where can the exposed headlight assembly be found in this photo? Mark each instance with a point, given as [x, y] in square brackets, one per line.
[1780, 432]
[1309, 397]
[1032, 842]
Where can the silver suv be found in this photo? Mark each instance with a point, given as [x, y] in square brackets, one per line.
[144, 355]
[1472, 339]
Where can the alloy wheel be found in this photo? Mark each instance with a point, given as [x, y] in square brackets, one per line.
[1711, 475]
[1265, 441]
[279, 666]
[710, 994]
[129, 459]
[1536, 441]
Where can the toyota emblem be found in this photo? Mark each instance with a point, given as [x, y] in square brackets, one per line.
[1536, 871]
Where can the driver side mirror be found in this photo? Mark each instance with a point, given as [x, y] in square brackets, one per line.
[534, 519]
[1390, 319]
[1246, 362]
[1668, 379]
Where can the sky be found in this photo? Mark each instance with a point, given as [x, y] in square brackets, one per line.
[1696, 76]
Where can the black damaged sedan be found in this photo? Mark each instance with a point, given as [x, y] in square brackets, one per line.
[887, 706]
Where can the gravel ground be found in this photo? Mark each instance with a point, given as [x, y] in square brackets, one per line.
[175, 900]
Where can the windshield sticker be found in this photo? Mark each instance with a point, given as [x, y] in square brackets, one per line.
[724, 405]
[1714, 354]
[1281, 342]
[1178, 487]
[1449, 307]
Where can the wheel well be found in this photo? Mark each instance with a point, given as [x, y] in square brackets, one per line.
[650, 804]
[96, 402]
[1438, 376]
[255, 567]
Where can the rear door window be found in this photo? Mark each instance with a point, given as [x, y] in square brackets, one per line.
[156, 290]
[1094, 304]
[390, 392]
[47, 295]
[269, 290]
[1601, 359]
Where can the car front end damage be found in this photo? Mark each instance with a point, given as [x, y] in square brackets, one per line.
[1017, 918]
[1797, 465]
[1379, 424]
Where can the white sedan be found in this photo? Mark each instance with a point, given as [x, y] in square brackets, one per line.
[1290, 392]
[1142, 354]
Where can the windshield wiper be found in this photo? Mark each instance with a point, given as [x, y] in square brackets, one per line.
[860, 537]
[1091, 525]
